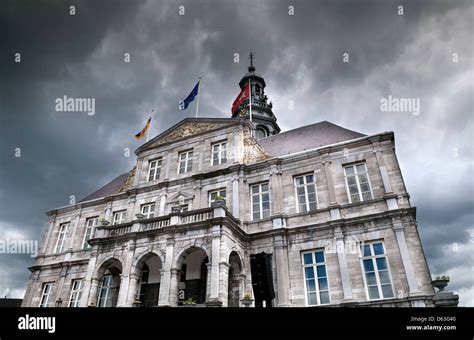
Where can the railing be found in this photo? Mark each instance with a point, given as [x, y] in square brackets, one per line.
[196, 216]
[119, 230]
[156, 224]
[188, 217]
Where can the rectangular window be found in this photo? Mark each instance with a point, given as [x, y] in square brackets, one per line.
[306, 193]
[219, 153]
[154, 169]
[377, 274]
[185, 162]
[260, 197]
[61, 238]
[76, 293]
[316, 278]
[91, 224]
[148, 210]
[106, 291]
[119, 217]
[217, 194]
[46, 294]
[357, 183]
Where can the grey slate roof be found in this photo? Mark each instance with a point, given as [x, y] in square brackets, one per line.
[306, 137]
[110, 188]
[300, 139]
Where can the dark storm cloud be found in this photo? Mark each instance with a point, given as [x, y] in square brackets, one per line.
[300, 57]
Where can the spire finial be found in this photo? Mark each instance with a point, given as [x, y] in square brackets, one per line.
[251, 58]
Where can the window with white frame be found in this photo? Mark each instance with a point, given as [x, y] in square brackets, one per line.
[106, 291]
[76, 293]
[185, 162]
[91, 225]
[119, 217]
[260, 197]
[154, 169]
[148, 210]
[216, 195]
[219, 153]
[61, 237]
[306, 193]
[376, 271]
[46, 293]
[357, 182]
[316, 278]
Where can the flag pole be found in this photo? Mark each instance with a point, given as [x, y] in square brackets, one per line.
[199, 96]
[149, 130]
[250, 99]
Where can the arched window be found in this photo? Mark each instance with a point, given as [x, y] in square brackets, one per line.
[261, 132]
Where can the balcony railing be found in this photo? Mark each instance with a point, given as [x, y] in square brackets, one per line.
[188, 217]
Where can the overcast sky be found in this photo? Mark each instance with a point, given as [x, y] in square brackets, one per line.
[301, 58]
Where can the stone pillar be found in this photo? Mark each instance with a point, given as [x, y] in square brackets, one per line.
[132, 289]
[276, 191]
[214, 298]
[51, 223]
[381, 164]
[162, 207]
[224, 283]
[282, 270]
[125, 277]
[164, 295]
[93, 292]
[343, 268]
[87, 289]
[329, 180]
[173, 291]
[74, 230]
[131, 208]
[138, 171]
[208, 283]
[398, 228]
[235, 197]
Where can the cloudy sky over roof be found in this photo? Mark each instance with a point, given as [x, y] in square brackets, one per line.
[301, 59]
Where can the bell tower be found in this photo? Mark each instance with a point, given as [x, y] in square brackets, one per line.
[263, 119]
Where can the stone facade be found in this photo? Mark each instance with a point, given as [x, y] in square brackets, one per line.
[207, 248]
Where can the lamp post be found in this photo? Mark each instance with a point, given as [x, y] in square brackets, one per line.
[59, 302]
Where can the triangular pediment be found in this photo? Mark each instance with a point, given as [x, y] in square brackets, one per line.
[180, 197]
[187, 128]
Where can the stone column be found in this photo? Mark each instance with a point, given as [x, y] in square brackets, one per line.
[235, 197]
[164, 295]
[398, 228]
[162, 207]
[131, 208]
[343, 268]
[93, 292]
[329, 180]
[381, 164]
[214, 298]
[87, 294]
[173, 291]
[74, 230]
[133, 289]
[282, 270]
[125, 277]
[208, 283]
[51, 223]
[224, 283]
[276, 192]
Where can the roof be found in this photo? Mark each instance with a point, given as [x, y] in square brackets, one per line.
[306, 137]
[110, 188]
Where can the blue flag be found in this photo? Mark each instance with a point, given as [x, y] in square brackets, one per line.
[183, 104]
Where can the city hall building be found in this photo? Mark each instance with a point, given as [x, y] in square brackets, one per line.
[218, 208]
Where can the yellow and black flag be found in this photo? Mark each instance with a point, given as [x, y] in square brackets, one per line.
[142, 133]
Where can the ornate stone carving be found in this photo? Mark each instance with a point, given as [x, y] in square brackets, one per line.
[253, 152]
[185, 130]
